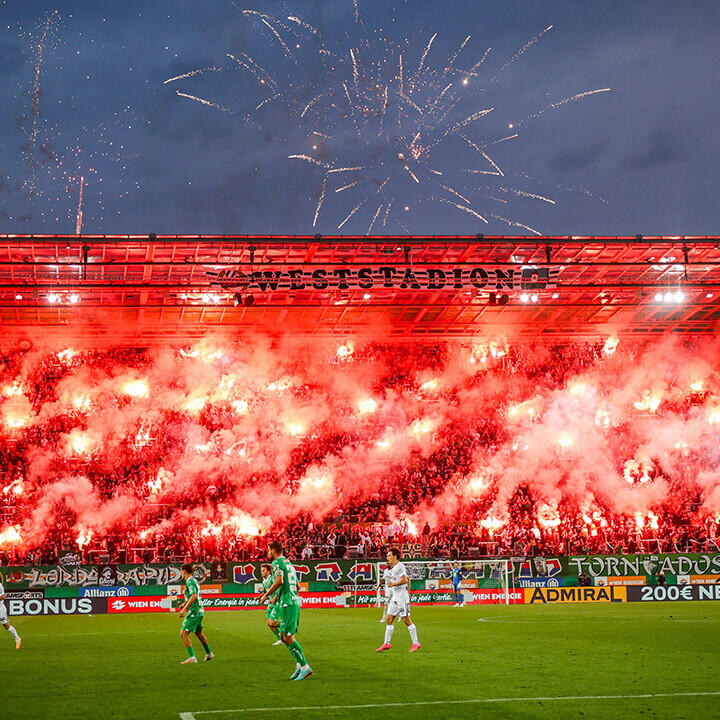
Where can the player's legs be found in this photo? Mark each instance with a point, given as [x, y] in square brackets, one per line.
[13, 632]
[274, 626]
[209, 654]
[413, 633]
[389, 630]
[289, 623]
[185, 637]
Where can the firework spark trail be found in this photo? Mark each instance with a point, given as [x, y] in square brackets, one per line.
[321, 200]
[476, 147]
[362, 202]
[348, 186]
[455, 193]
[564, 101]
[260, 73]
[454, 57]
[464, 208]
[346, 169]
[305, 25]
[521, 52]
[387, 213]
[401, 80]
[192, 73]
[35, 101]
[356, 9]
[203, 101]
[424, 55]
[356, 74]
[514, 223]
[473, 70]
[285, 46]
[375, 217]
[309, 159]
[534, 196]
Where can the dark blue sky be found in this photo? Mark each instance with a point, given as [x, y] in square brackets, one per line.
[646, 153]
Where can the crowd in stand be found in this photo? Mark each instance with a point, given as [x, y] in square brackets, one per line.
[358, 527]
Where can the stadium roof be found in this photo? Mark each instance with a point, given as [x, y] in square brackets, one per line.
[147, 288]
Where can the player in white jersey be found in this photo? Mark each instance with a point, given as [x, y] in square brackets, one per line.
[386, 599]
[4, 618]
[399, 585]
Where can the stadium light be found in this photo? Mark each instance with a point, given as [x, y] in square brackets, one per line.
[52, 298]
[679, 297]
[367, 296]
[237, 299]
[74, 298]
[18, 297]
[709, 296]
[658, 297]
[524, 298]
[668, 298]
[534, 297]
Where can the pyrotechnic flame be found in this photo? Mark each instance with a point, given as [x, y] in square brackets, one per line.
[14, 390]
[81, 402]
[245, 524]
[650, 401]
[697, 387]
[577, 388]
[66, 355]
[295, 428]
[610, 346]
[79, 443]
[344, 352]
[422, 426]
[240, 407]
[713, 415]
[15, 422]
[492, 523]
[429, 385]
[367, 405]
[10, 536]
[565, 440]
[477, 485]
[84, 537]
[195, 405]
[548, 516]
[136, 388]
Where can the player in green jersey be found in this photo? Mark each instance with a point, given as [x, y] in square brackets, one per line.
[285, 581]
[192, 613]
[273, 608]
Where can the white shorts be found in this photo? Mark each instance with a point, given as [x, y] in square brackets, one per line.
[399, 608]
[3, 614]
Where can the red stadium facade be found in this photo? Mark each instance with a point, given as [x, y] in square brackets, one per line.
[149, 289]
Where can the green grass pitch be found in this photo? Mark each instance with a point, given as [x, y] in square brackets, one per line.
[474, 663]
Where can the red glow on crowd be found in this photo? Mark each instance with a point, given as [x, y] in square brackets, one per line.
[506, 448]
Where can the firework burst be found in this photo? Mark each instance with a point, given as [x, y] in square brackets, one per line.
[388, 122]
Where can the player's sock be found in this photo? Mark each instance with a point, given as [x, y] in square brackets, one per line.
[297, 652]
[13, 632]
[207, 648]
[276, 633]
[191, 651]
[413, 633]
[389, 630]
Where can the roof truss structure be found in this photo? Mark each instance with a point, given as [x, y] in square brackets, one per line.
[150, 289]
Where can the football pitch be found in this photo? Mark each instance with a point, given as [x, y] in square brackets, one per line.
[554, 661]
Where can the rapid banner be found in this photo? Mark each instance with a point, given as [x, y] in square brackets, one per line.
[527, 572]
[540, 596]
[110, 576]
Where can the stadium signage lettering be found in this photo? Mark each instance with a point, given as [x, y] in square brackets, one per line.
[575, 595]
[105, 591]
[387, 277]
[57, 606]
[664, 593]
[619, 565]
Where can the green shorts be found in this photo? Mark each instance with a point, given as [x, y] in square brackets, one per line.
[192, 623]
[273, 611]
[289, 619]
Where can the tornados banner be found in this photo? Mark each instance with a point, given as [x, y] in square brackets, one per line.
[397, 277]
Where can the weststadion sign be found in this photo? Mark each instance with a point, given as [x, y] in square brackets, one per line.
[379, 277]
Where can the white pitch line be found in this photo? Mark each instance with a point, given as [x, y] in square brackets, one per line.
[556, 698]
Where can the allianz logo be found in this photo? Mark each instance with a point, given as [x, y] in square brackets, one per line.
[106, 592]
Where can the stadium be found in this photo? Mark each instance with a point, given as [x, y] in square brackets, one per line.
[518, 436]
